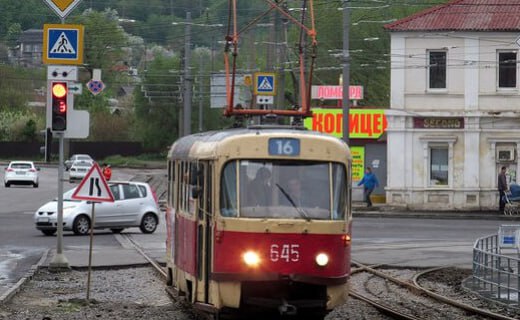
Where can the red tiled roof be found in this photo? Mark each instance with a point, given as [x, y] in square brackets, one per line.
[464, 15]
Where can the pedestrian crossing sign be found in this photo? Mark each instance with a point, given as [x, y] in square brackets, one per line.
[63, 44]
[265, 84]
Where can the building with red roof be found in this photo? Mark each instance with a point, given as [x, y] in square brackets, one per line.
[454, 117]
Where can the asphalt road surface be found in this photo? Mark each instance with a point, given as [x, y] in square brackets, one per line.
[397, 241]
[21, 245]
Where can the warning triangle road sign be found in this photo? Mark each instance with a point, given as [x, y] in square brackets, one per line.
[93, 187]
[62, 45]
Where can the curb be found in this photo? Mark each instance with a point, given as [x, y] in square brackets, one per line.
[11, 292]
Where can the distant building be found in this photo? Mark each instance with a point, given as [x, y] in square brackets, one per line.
[455, 105]
[28, 52]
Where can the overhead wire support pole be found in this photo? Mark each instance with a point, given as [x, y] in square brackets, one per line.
[187, 78]
[346, 72]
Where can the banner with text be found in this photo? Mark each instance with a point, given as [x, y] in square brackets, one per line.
[363, 123]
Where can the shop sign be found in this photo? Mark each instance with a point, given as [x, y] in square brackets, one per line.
[358, 162]
[363, 123]
[336, 92]
[438, 123]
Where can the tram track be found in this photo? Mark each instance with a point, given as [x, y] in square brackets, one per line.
[396, 309]
[414, 306]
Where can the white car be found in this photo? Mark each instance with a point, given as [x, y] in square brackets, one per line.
[79, 169]
[135, 205]
[77, 157]
[21, 172]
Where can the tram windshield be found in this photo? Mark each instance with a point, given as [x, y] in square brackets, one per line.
[281, 189]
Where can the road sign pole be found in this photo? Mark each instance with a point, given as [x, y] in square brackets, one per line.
[90, 251]
[60, 261]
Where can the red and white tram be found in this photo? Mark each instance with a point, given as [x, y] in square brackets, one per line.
[260, 218]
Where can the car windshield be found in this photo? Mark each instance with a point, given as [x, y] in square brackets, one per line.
[282, 189]
[82, 164]
[67, 196]
[87, 158]
[21, 166]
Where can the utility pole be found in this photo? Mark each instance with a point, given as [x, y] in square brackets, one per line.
[201, 86]
[281, 43]
[346, 71]
[187, 78]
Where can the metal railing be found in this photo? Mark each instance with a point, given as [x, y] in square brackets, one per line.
[496, 271]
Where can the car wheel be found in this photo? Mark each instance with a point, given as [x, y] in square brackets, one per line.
[149, 223]
[81, 225]
[7, 184]
[117, 230]
[48, 232]
[35, 185]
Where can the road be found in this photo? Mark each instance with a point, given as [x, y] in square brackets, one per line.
[21, 244]
[418, 242]
[397, 241]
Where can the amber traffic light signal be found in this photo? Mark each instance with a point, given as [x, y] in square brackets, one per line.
[59, 92]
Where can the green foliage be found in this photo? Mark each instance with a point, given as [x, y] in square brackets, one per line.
[19, 125]
[28, 14]
[157, 106]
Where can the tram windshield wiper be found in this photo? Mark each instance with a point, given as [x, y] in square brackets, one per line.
[301, 211]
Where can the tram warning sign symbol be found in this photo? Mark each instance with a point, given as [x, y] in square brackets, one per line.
[63, 44]
[93, 187]
[265, 84]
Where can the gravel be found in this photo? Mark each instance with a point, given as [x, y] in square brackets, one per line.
[129, 293]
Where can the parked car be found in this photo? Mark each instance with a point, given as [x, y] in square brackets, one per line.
[21, 172]
[76, 157]
[79, 170]
[135, 205]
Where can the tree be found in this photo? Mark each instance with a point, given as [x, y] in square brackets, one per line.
[157, 105]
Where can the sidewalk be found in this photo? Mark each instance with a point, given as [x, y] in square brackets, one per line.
[383, 210]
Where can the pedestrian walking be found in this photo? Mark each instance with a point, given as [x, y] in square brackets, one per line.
[502, 189]
[369, 183]
[107, 171]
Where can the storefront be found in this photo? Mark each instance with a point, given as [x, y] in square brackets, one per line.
[367, 141]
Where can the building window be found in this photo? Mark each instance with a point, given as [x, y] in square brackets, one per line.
[507, 69]
[439, 166]
[437, 69]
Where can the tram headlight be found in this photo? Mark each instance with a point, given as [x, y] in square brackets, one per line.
[322, 259]
[251, 258]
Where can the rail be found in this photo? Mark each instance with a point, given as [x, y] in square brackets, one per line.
[496, 266]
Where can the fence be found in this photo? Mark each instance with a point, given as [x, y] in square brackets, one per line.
[496, 266]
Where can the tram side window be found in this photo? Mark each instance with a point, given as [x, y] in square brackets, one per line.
[339, 198]
[228, 190]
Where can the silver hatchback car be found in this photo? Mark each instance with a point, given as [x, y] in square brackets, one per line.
[135, 205]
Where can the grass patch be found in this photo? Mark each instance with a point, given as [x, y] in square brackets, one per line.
[141, 161]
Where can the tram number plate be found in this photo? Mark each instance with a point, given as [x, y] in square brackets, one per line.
[284, 147]
[285, 253]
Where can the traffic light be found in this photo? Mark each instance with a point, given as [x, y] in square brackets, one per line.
[59, 92]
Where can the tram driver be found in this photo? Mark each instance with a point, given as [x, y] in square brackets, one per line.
[260, 193]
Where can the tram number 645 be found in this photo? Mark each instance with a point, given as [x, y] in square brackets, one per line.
[285, 252]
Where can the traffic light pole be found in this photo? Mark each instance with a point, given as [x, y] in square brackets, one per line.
[60, 261]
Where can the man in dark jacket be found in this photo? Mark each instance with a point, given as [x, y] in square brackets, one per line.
[502, 188]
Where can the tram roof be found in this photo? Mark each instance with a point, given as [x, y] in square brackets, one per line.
[183, 147]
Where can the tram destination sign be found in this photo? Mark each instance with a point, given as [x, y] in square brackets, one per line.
[284, 147]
